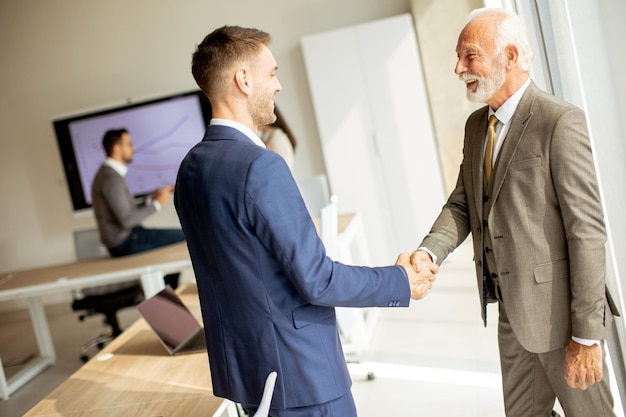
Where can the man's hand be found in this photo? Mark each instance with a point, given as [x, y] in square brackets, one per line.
[421, 276]
[163, 195]
[583, 365]
[420, 257]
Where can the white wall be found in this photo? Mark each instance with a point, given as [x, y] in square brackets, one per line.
[64, 56]
[383, 123]
[438, 24]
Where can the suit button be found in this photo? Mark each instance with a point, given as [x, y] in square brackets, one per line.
[487, 250]
[485, 198]
[494, 275]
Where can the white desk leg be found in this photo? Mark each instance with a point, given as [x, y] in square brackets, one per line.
[42, 330]
[152, 282]
[4, 387]
[34, 367]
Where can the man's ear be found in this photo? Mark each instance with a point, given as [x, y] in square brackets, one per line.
[243, 80]
[511, 54]
[115, 149]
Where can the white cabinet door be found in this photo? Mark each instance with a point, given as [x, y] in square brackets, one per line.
[375, 129]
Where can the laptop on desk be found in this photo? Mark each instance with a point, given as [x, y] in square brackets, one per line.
[175, 326]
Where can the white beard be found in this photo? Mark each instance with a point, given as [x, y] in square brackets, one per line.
[487, 87]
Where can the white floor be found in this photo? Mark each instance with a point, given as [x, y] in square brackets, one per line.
[434, 358]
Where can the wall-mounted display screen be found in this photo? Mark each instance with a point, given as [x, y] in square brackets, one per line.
[163, 130]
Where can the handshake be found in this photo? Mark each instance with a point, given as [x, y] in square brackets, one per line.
[421, 271]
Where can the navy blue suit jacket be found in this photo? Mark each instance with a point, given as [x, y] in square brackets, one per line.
[267, 289]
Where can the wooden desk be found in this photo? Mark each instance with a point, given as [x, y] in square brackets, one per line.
[149, 266]
[135, 376]
[31, 284]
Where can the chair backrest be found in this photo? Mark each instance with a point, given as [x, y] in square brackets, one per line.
[268, 392]
[329, 218]
[315, 193]
[87, 245]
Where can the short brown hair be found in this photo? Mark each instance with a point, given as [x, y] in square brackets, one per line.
[111, 138]
[221, 49]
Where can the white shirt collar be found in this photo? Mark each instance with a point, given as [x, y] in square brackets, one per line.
[240, 127]
[118, 166]
[506, 110]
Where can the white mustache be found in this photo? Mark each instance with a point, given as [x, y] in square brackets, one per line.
[467, 77]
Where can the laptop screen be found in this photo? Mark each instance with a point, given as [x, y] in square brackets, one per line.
[166, 314]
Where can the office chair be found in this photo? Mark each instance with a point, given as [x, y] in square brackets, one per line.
[314, 191]
[108, 303]
[104, 300]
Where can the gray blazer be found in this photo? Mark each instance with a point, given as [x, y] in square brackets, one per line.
[115, 208]
[545, 219]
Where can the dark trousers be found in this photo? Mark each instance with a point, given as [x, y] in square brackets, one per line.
[142, 239]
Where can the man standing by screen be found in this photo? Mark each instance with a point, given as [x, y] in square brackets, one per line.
[118, 216]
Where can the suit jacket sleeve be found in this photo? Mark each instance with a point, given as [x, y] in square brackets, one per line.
[277, 212]
[581, 211]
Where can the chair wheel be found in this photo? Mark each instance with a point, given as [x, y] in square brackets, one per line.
[371, 376]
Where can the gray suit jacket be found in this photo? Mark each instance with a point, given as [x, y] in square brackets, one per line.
[114, 207]
[545, 219]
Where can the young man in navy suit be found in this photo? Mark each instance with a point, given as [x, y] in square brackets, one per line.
[267, 289]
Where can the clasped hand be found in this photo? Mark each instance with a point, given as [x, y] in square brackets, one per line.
[421, 271]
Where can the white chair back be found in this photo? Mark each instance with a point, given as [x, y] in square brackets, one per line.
[315, 193]
[268, 392]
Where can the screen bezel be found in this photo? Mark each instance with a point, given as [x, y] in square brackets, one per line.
[61, 127]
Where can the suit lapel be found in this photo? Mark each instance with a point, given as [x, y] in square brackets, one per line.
[477, 142]
[514, 137]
